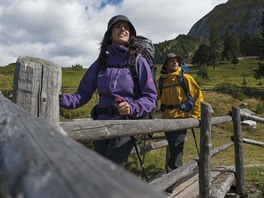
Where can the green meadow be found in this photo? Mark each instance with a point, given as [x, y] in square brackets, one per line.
[240, 81]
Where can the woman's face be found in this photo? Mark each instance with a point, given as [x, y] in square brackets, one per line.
[172, 64]
[120, 33]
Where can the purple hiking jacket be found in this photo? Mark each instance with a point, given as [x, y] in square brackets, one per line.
[115, 82]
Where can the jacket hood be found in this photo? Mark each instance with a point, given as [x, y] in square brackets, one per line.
[164, 73]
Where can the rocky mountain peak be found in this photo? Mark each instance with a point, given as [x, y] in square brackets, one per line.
[240, 16]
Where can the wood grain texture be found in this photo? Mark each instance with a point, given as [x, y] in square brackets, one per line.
[86, 129]
[205, 151]
[253, 142]
[222, 184]
[38, 161]
[169, 179]
[238, 144]
[36, 87]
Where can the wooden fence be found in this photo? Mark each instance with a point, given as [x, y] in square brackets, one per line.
[38, 159]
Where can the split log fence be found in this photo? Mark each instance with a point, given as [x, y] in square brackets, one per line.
[41, 157]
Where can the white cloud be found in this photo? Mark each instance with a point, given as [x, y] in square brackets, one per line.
[68, 32]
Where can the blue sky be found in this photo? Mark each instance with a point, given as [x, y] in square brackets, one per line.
[68, 32]
[110, 2]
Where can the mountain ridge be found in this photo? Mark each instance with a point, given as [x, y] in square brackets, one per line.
[241, 17]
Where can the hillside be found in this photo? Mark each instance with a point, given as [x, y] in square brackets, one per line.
[182, 45]
[240, 16]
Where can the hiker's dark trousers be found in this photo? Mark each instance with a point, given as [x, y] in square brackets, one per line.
[116, 149]
[176, 142]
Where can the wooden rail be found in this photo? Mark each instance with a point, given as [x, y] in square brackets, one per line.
[85, 129]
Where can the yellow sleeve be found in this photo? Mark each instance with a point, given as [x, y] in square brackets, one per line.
[197, 95]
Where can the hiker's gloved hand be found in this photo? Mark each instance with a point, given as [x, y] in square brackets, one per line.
[188, 104]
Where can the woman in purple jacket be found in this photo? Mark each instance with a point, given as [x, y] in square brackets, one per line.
[110, 75]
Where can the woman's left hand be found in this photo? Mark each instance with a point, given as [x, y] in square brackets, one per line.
[123, 108]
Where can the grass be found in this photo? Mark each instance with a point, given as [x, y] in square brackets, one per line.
[221, 103]
[253, 155]
[225, 72]
[6, 76]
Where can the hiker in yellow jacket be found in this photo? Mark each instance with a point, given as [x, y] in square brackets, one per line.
[178, 100]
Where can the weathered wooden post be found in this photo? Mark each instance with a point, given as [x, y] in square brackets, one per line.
[205, 151]
[36, 86]
[238, 140]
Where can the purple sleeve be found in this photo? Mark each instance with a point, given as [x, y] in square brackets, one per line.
[148, 95]
[84, 92]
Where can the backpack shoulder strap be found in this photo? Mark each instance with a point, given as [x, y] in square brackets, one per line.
[134, 73]
[161, 82]
[180, 79]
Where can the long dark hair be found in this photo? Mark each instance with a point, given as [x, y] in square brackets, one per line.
[133, 46]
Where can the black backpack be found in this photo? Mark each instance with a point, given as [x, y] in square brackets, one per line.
[149, 56]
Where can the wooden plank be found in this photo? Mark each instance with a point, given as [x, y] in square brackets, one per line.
[238, 140]
[252, 117]
[221, 119]
[149, 147]
[36, 87]
[253, 142]
[221, 148]
[205, 151]
[86, 129]
[172, 177]
[167, 180]
[190, 187]
[222, 184]
[37, 161]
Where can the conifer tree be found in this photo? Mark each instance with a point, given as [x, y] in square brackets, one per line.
[216, 46]
[231, 45]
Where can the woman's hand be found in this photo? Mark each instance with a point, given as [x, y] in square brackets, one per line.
[123, 108]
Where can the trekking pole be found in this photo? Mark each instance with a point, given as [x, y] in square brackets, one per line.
[119, 100]
[194, 137]
[144, 146]
[140, 160]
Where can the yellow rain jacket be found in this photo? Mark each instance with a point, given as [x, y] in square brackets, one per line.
[173, 94]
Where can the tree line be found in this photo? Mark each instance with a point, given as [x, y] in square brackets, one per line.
[210, 51]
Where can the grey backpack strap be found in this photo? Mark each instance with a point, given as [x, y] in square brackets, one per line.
[133, 67]
[161, 81]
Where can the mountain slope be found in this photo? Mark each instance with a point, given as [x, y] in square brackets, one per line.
[182, 45]
[240, 16]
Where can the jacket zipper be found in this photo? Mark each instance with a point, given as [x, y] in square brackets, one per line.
[116, 77]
